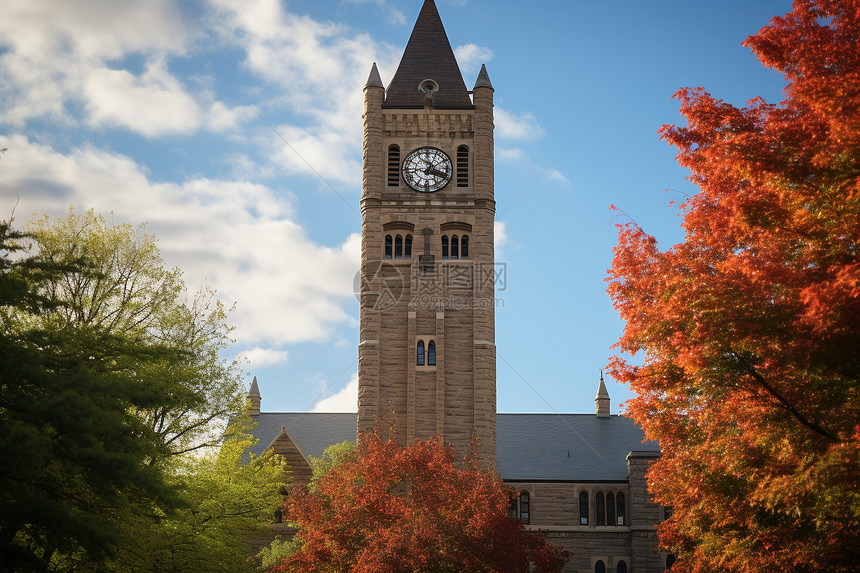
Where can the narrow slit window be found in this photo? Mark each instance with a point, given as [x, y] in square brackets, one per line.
[462, 166]
[455, 248]
[420, 353]
[600, 509]
[393, 166]
[464, 247]
[407, 247]
[431, 354]
[610, 508]
[524, 507]
[620, 512]
[389, 245]
[512, 509]
[398, 247]
[583, 508]
[444, 246]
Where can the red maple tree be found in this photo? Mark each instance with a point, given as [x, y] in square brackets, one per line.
[749, 330]
[391, 509]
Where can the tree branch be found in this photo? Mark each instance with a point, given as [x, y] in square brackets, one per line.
[750, 369]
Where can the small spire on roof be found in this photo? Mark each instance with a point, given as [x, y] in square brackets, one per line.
[602, 399]
[374, 79]
[484, 79]
[255, 398]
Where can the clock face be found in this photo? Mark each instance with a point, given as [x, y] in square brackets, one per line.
[427, 169]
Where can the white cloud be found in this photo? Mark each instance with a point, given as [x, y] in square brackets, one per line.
[63, 54]
[236, 236]
[471, 56]
[500, 239]
[346, 400]
[511, 126]
[319, 69]
[260, 357]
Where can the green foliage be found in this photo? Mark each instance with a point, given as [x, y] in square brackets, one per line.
[227, 502]
[113, 280]
[332, 456]
[73, 450]
[112, 386]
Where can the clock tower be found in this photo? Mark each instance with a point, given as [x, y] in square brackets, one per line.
[427, 356]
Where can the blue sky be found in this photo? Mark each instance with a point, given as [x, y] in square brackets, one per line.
[232, 130]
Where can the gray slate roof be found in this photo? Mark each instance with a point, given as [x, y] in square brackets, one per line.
[428, 55]
[529, 447]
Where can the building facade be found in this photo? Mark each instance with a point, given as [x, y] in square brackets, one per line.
[427, 330]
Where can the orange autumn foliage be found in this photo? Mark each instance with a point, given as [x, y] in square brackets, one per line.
[390, 509]
[749, 330]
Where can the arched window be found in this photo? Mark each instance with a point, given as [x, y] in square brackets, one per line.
[455, 248]
[600, 567]
[388, 247]
[600, 509]
[407, 247]
[610, 508]
[420, 353]
[583, 508]
[444, 246]
[620, 512]
[393, 166]
[670, 560]
[464, 247]
[462, 166]
[398, 247]
[431, 354]
[513, 508]
[621, 567]
[524, 507]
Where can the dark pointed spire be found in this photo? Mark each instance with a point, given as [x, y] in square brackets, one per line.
[428, 56]
[484, 79]
[374, 79]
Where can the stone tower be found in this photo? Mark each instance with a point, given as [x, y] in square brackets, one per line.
[427, 356]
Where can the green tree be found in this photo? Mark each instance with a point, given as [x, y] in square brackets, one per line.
[111, 385]
[123, 289]
[228, 501]
[74, 451]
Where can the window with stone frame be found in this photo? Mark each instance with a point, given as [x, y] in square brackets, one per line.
[621, 567]
[431, 353]
[462, 166]
[420, 353]
[520, 507]
[583, 508]
[389, 247]
[600, 567]
[393, 166]
[609, 509]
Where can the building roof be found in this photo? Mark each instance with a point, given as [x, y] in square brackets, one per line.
[566, 447]
[529, 447]
[428, 55]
